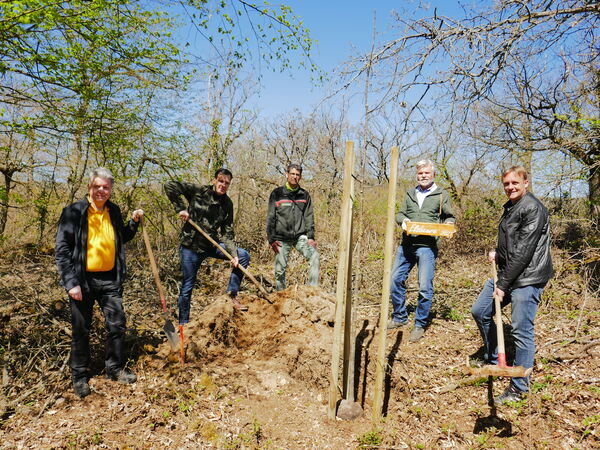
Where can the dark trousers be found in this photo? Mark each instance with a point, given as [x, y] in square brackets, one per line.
[108, 293]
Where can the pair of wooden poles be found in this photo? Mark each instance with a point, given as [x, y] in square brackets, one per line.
[344, 308]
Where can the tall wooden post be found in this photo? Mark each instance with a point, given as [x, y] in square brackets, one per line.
[385, 292]
[342, 277]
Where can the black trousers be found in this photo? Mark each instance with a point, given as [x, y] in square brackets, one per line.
[108, 293]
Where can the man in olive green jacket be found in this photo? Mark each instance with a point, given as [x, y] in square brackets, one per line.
[426, 203]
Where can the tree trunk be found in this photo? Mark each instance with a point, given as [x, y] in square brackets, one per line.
[594, 195]
[4, 201]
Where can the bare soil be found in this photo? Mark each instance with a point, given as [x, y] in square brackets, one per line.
[259, 379]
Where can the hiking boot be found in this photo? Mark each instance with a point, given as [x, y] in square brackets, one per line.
[393, 324]
[238, 305]
[416, 334]
[123, 376]
[81, 388]
[511, 394]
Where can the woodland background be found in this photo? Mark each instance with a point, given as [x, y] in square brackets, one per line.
[107, 83]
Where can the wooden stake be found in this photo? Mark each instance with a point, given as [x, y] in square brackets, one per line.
[385, 292]
[342, 278]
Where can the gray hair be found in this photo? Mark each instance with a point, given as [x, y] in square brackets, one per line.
[101, 172]
[426, 163]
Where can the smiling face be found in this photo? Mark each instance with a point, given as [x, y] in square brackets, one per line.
[221, 184]
[293, 178]
[99, 190]
[425, 176]
[515, 186]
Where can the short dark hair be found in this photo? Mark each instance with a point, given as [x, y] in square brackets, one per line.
[223, 171]
[298, 167]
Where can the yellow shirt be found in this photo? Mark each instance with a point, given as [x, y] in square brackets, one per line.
[100, 241]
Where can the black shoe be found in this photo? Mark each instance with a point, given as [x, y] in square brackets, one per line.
[81, 388]
[393, 324]
[416, 334]
[511, 394]
[123, 376]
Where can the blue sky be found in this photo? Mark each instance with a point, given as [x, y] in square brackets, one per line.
[342, 29]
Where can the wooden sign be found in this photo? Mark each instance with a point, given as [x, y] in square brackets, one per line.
[431, 229]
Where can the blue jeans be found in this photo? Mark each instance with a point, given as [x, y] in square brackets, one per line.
[190, 263]
[406, 257]
[525, 301]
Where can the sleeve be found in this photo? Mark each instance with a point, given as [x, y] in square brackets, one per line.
[402, 214]
[175, 190]
[271, 216]
[128, 229]
[227, 232]
[309, 218]
[526, 238]
[447, 213]
[65, 246]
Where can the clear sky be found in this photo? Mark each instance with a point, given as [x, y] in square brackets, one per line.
[343, 29]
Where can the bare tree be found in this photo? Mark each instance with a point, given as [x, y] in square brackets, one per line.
[536, 59]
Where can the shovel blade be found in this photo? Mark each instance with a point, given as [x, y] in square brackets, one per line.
[172, 336]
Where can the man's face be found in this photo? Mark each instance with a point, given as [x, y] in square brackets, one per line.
[293, 177]
[425, 176]
[100, 190]
[515, 186]
[221, 184]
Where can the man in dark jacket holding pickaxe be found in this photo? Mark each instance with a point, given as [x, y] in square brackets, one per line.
[290, 223]
[212, 209]
[524, 268]
[90, 256]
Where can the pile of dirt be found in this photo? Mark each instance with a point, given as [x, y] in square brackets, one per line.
[289, 337]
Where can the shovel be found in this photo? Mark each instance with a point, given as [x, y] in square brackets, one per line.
[168, 328]
[231, 258]
[501, 369]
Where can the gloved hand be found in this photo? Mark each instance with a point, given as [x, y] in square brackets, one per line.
[275, 246]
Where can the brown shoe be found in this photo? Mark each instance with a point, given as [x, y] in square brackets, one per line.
[238, 305]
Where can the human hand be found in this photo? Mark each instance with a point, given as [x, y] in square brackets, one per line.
[235, 262]
[275, 246]
[184, 215]
[75, 293]
[312, 243]
[499, 293]
[492, 256]
[404, 222]
[137, 215]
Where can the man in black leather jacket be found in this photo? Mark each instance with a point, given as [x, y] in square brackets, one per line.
[524, 268]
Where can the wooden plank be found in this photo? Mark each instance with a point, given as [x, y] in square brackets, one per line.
[431, 229]
[342, 279]
[388, 258]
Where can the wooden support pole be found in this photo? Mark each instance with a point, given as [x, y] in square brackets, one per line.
[348, 367]
[385, 292]
[342, 279]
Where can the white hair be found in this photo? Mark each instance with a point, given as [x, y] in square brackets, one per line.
[101, 172]
[426, 163]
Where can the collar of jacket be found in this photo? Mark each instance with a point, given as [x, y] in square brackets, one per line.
[509, 206]
[412, 193]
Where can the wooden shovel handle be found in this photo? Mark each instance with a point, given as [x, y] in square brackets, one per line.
[231, 258]
[153, 266]
[498, 318]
